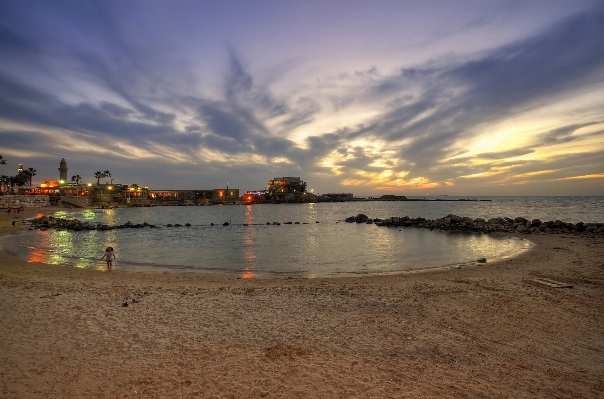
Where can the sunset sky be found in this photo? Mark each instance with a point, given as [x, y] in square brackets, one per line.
[364, 97]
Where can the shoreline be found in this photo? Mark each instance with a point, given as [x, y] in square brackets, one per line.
[472, 332]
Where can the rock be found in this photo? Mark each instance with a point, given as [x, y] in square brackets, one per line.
[481, 260]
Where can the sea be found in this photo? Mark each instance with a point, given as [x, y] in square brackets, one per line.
[297, 240]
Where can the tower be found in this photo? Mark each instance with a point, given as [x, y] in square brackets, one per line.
[63, 171]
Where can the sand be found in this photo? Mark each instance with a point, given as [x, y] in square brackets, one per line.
[474, 332]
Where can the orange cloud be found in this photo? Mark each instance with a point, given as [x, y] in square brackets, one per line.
[530, 174]
[592, 176]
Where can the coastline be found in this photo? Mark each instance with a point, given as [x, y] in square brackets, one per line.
[6, 219]
[479, 331]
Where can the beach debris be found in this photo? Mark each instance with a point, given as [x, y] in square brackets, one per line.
[133, 299]
[547, 283]
[225, 224]
[481, 260]
[263, 393]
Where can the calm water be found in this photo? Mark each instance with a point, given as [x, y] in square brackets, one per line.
[328, 248]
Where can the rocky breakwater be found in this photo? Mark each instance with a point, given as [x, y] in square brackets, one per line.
[46, 222]
[479, 225]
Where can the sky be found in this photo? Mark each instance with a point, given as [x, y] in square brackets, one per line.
[364, 97]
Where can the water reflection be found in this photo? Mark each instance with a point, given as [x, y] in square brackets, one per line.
[307, 249]
[249, 253]
[37, 253]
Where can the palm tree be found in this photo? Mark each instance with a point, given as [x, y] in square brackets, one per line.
[107, 174]
[31, 172]
[98, 176]
[77, 179]
[2, 160]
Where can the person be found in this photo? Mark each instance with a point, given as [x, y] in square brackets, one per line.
[109, 256]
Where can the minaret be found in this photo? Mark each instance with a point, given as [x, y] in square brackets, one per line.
[63, 171]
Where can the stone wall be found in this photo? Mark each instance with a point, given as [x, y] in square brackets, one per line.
[26, 201]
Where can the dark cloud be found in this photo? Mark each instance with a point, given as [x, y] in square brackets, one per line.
[562, 134]
[115, 110]
[422, 112]
[12, 43]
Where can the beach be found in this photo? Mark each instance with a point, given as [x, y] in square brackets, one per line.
[480, 331]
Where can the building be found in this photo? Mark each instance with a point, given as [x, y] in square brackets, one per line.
[63, 171]
[333, 197]
[390, 197]
[286, 185]
[255, 197]
[215, 196]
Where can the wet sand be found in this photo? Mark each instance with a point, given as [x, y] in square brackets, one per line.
[475, 332]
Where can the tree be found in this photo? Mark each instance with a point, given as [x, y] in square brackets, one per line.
[2, 160]
[77, 179]
[107, 174]
[4, 179]
[20, 179]
[31, 172]
[98, 176]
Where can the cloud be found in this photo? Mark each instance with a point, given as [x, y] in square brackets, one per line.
[95, 80]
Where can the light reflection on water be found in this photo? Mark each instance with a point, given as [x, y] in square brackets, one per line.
[328, 248]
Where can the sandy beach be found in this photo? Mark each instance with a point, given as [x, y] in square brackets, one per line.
[475, 332]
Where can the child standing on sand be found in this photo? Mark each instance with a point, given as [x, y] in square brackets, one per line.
[109, 256]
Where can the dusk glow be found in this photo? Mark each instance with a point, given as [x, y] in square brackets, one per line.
[366, 97]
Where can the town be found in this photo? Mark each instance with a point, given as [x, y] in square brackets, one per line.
[73, 193]
[105, 192]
